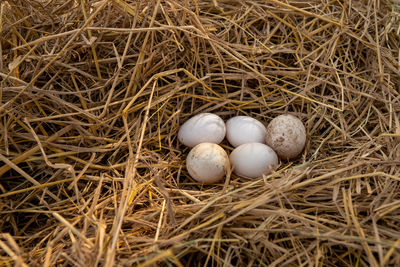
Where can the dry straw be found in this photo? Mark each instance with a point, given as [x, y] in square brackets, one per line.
[93, 93]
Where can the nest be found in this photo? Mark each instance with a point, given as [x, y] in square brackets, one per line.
[93, 94]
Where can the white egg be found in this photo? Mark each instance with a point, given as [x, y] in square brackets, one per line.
[286, 135]
[252, 160]
[243, 129]
[207, 163]
[204, 127]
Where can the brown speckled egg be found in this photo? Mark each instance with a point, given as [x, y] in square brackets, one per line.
[207, 163]
[286, 135]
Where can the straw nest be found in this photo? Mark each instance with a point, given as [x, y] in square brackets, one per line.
[93, 94]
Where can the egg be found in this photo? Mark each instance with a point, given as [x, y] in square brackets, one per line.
[252, 160]
[286, 135]
[207, 163]
[243, 129]
[204, 127]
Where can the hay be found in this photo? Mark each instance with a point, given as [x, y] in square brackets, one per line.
[92, 96]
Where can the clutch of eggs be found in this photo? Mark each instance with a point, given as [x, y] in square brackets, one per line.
[257, 147]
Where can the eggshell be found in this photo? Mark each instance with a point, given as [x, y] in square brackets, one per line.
[243, 129]
[286, 135]
[204, 127]
[207, 163]
[252, 160]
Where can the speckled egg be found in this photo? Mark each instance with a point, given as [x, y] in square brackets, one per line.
[207, 163]
[286, 135]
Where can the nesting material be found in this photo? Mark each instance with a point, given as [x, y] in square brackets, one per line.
[92, 97]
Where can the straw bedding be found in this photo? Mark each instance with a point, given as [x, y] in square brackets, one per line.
[92, 96]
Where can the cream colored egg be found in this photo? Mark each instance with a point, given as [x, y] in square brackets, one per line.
[204, 127]
[243, 129]
[207, 163]
[252, 160]
[286, 135]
